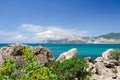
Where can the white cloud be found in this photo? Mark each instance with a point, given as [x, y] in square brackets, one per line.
[36, 33]
[60, 31]
[45, 35]
[66, 32]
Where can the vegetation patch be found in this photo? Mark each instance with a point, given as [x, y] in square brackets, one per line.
[71, 69]
[115, 55]
[66, 70]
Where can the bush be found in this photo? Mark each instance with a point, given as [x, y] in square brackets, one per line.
[39, 73]
[8, 69]
[32, 70]
[70, 69]
[66, 70]
[115, 55]
[27, 53]
[12, 70]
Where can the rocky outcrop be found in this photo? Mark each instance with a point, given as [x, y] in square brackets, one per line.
[43, 55]
[67, 55]
[107, 53]
[105, 68]
[88, 59]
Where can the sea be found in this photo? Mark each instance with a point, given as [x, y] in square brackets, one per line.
[84, 50]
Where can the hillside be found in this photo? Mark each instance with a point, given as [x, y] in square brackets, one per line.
[111, 36]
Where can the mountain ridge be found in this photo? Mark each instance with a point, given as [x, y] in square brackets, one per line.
[110, 38]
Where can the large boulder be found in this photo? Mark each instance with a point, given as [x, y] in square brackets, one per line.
[43, 55]
[67, 55]
[99, 59]
[105, 68]
[107, 54]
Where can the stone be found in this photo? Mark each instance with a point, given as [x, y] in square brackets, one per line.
[107, 53]
[88, 59]
[91, 67]
[96, 77]
[104, 67]
[1, 59]
[67, 55]
[43, 55]
[118, 74]
[99, 59]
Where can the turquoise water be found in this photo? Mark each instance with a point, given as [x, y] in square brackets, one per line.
[84, 50]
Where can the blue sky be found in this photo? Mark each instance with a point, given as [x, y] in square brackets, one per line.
[57, 19]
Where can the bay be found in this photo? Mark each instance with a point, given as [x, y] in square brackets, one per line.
[84, 50]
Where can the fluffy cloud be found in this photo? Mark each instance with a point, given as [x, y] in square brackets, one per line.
[36, 33]
[46, 35]
[59, 31]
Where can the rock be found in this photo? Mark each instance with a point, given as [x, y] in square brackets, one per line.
[67, 55]
[107, 53]
[118, 74]
[99, 59]
[43, 55]
[91, 67]
[110, 63]
[104, 67]
[97, 77]
[100, 69]
[1, 59]
[88, 59]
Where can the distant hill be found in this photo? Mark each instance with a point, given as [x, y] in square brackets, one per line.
[111, 36]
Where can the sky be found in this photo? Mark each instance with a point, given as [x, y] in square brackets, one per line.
[37, 20]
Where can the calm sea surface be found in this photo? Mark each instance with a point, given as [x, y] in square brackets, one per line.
[84, 50]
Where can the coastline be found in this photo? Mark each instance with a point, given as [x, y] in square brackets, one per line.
[84, 50]
[100, 66]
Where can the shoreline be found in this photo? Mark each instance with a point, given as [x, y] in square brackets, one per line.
[84, 50]
[102, 66]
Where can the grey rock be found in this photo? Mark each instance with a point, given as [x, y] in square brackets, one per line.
[43, 55]
[67, 55]
[118, 74]
[105, 68]
[110, 63]
[106, 55]
[91, 67]
[99, 59]
[88, 59]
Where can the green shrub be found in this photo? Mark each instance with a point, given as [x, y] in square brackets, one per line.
[33, 71]
[70, 69]
[39, 73]
[27, 53]
[8, 69]
[66, 70]
[115, 55]
[30, 71]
